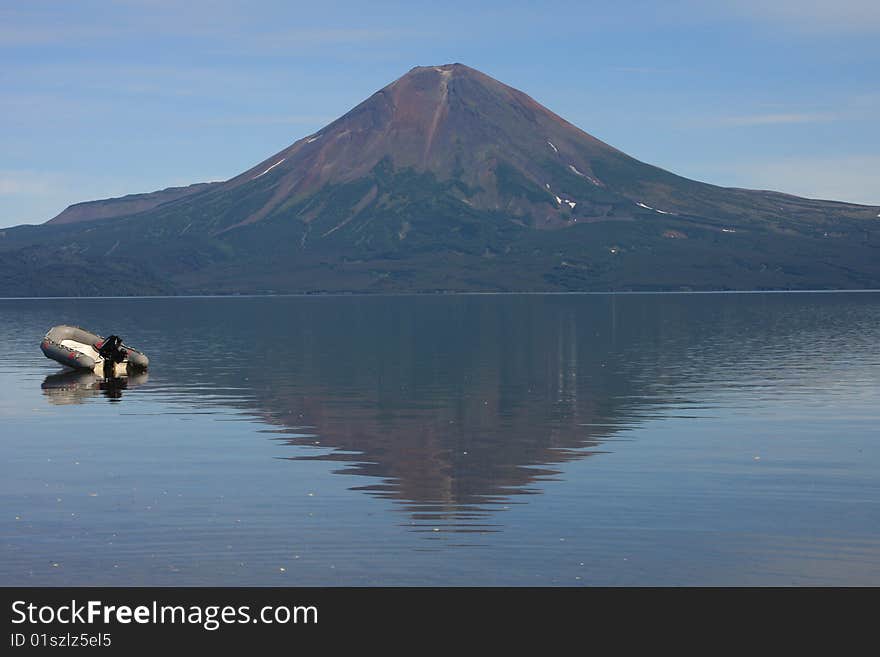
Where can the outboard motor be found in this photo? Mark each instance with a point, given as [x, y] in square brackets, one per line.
[113, 352]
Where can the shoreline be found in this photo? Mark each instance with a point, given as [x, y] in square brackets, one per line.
[269, 295]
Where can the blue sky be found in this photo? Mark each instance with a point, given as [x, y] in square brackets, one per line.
[102, 99]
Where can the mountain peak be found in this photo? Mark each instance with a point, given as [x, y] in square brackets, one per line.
[453, 122]
[449, 179]
[445, 69]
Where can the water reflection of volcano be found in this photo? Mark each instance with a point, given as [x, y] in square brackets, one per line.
[451, 406]
[449, 414]
[76, 386]
[451, 462]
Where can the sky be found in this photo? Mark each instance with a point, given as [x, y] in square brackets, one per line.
[103, 99]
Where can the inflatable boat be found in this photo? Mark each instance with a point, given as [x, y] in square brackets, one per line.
[79, 349]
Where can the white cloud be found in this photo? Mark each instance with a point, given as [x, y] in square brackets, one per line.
[28, 196]
[642, 70]
[18, 35]
[815, 16]
[779, 118]
[279, 119]
[852, 178]
[15, 183]
[324, 36]
[864, 107]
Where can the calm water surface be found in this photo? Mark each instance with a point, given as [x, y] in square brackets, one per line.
[726, 439]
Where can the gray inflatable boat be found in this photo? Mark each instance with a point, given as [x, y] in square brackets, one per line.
[79, 349]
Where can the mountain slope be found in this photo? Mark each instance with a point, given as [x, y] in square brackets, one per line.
[446, 180]
[124, 206]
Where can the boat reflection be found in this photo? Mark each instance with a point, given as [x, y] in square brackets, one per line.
[76, 386]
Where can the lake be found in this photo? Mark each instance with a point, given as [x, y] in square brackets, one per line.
[550, 440]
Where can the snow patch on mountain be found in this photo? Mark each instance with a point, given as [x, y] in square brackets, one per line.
[269, 169]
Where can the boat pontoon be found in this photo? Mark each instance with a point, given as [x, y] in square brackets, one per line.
[80, 349]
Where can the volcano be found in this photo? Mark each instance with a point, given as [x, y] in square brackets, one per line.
[446, 180]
